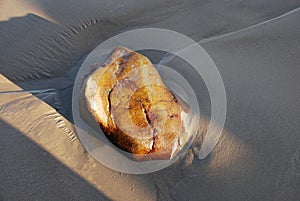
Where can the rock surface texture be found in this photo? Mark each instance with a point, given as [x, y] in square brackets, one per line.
[134, 108]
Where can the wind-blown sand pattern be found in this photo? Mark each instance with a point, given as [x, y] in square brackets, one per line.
[257, 157]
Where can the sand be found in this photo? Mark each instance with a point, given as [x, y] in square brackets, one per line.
[43, 44]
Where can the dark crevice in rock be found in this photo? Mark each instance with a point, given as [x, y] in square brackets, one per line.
[154, 140]
[154, 130]
[109, 101]
[173, 115]
[147, 115]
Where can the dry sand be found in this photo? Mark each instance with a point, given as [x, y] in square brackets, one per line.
[42, 46]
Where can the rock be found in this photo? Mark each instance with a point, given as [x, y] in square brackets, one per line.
[134, 108]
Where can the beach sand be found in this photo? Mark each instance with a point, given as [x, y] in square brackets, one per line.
[43, 44]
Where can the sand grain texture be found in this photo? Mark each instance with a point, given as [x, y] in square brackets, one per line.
[257, 157]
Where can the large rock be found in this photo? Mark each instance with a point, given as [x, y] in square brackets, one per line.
[134, 108]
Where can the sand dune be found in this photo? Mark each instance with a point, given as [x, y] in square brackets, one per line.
[257, 157]
[50, 48]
